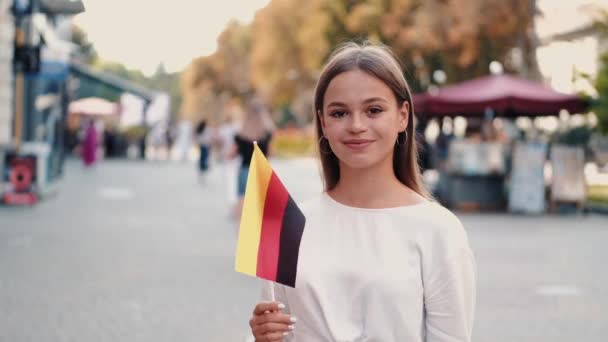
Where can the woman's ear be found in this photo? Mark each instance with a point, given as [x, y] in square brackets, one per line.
[404, 116]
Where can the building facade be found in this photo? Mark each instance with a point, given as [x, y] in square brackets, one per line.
[7, 35]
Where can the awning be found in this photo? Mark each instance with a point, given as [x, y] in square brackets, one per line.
[115, 83]
[53, 7]
[504, 95]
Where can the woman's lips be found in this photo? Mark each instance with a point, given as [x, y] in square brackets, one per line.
[357, 144]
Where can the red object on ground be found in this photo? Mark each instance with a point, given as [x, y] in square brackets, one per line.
[506, 95]
[17, 198]
[22, 177]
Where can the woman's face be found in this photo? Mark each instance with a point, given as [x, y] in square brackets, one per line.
[361, 119]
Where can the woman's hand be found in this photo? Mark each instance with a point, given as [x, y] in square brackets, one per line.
[269, 324]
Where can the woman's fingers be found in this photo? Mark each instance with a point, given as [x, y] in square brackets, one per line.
[269, 328]
[274, 317]
[263, 307]
[269, 323]
[278, 336]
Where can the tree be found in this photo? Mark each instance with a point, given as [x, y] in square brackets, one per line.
[460, 36]
[600, 83]
[288, 47]
[281, 53]
[600, 106]
[199, 86]
[87, 53]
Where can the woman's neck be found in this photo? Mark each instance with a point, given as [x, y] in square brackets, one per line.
[373, 187]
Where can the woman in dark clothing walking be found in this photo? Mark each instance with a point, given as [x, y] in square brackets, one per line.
[257, 127]
[204, 137]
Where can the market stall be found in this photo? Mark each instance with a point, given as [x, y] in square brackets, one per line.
[476, 167]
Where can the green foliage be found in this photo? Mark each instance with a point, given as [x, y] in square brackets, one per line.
[87, 51]
[577, 136]
[600, 106]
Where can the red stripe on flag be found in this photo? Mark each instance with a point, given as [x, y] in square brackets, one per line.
[272, 222]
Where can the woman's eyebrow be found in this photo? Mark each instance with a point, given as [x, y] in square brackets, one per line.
[374, 99]
[371, 99]
[336, 104]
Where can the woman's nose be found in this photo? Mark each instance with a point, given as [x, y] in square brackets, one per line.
[357, 123]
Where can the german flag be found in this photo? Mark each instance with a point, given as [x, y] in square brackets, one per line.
[271, 226]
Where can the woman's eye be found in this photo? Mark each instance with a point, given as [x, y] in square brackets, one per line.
[338, 113]
[375, 110]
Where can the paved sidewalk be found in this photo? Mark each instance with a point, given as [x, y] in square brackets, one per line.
[134, 251]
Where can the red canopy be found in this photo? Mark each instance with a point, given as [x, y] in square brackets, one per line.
[506, 95]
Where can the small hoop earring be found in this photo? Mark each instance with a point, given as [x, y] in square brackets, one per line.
[404, 139]
[321, 146]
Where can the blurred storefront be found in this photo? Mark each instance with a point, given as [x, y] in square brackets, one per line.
[34, 68]
[498, 167]
[38, 79]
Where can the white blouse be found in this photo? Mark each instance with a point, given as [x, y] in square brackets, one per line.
[402, 274]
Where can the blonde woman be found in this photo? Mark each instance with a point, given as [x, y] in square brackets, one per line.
[378, 260]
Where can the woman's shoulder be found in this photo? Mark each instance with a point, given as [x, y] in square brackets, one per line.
[438, 215]
[441, 227]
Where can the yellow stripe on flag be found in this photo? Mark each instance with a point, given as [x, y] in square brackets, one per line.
[253, 211]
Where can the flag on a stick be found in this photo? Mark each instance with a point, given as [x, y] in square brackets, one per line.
[271, 226]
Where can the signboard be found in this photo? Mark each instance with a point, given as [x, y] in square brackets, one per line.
[527, 190]
[568, 181]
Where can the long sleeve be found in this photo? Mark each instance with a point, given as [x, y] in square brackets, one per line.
[450, 296]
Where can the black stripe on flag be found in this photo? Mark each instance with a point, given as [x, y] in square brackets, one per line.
[291, 235]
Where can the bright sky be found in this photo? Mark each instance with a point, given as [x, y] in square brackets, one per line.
[143, 33]
[560, 16]
[561, 61]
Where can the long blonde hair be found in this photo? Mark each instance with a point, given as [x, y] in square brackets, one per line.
[378, 61]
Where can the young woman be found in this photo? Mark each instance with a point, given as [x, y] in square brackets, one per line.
[378, 260]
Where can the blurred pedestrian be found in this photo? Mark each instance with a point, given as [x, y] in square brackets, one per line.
[378, 260]
[257, 126]
[89, 144]
[204, 137]
[226, 132]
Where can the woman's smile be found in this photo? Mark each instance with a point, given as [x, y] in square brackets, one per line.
[358, 144]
